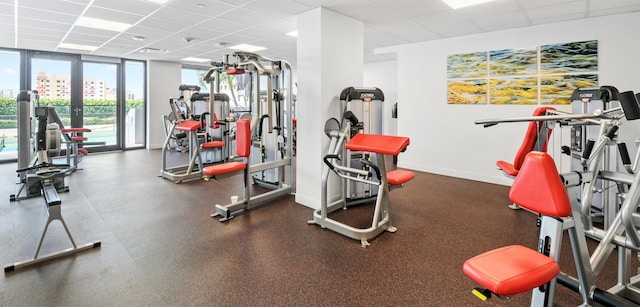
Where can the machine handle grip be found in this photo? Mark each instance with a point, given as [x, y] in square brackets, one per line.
[624, 154]
[588, 148]
[351, 117]
[375, 167]
[612, 132]
[327, 162]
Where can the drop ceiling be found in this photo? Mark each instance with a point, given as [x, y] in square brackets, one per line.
[206, 28]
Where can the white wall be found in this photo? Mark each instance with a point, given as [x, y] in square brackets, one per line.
[444, 138]
[163, 80]
[383, 75]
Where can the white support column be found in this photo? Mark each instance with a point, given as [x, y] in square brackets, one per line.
[330, 58]
[163, 79]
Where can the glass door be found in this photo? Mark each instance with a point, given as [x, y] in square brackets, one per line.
[53, 76]
[100, 101]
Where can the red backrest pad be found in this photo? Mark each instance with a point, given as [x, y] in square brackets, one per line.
[538, 187]
[530, 138]
[243, 138]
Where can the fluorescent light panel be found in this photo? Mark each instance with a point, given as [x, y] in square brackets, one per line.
[456, 4]
[102, 24]
[192, 59]
[247, 48]
[77, 47]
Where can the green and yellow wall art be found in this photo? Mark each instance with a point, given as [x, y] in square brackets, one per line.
[545, 74]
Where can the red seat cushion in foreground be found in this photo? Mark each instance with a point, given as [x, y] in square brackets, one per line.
[511, 270]
[224, 168]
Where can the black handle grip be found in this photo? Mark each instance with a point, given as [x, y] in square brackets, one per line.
[588, 148]
[351, 117]
[489, 125]
[326, 160]
[612, 132]
[375, 168]
[624, 154]
[566, 150]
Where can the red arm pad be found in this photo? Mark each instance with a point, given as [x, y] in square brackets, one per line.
[378, 143]
[188, 125]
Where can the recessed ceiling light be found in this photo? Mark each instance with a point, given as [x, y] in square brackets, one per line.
[201, 5]
[221, 44]
[153, 50]
[456, 4]
[77, 47]
[138, 38]
[293, 33]
[199, 60]
[102, 24]
[247, 48]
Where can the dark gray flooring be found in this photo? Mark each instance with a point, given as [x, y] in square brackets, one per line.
[160, 247]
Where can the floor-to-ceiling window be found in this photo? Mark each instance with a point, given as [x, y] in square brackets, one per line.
[106, 95]
[10, 77]
[134, 97]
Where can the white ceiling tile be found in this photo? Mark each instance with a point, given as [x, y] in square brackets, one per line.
[127, 6]
[222, 25]
[278, 8]
[413, 9]
[377, 17]
[562, 9]
[211, 8]
[245, 17]
[69, 8]
[44, 16]
[609, 4]
[166, 25]
[408, 30]
[448, 24]
[280, 25]
[352, 8]
[34, 25]
[502, 21]
[112, 15]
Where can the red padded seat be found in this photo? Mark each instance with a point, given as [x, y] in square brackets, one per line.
[188, 125]
[397, 177]
[224, 168]
[511, 270]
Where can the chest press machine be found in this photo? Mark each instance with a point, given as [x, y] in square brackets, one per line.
[375, 175]
[49, 180]
[515, 269]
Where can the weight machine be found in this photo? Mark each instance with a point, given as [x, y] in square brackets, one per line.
[594, 171]
[269, 122]
[47, 180]
[343, 139]
[191, 128]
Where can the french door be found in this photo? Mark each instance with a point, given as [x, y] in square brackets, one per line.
[84, 94]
